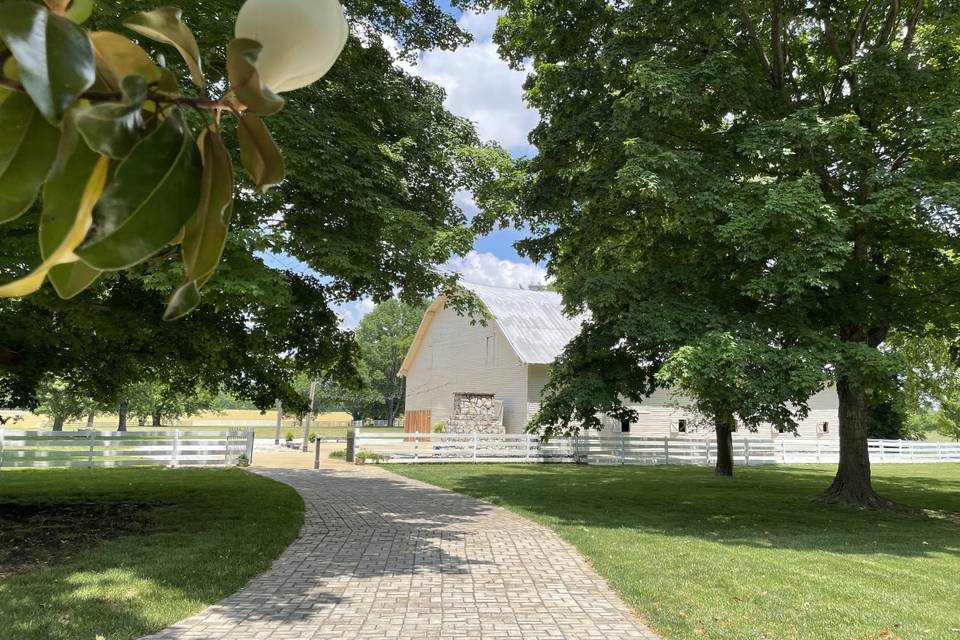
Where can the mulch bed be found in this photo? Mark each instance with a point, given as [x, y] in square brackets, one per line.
[34, 536]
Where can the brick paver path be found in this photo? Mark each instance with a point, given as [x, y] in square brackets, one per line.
[384, 557]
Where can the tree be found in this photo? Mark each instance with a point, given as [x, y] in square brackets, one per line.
[156, 400]
[384, 336]
[373, 162]
[733, 381]
[947, 420]
[792, 163]
[61, 401]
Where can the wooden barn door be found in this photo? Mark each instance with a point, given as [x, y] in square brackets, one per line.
[417, 421]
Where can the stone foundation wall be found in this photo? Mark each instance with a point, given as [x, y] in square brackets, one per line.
[475, 413]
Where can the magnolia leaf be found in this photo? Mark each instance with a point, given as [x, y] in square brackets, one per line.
[118, 57]
[65, 251]
[62, 191]
[152, 194]
[164, 25]
[259, 154]
[168, 82]
[54, 56]
[184, 299]
[245, 81]
[113, 129]
[28, 148]
[206, 232]
[80, 11]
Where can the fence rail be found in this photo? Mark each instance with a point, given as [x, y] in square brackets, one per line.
[479, 447]
[176, 448]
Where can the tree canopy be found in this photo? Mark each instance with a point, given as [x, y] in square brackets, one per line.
[789, 165]
[373, 160]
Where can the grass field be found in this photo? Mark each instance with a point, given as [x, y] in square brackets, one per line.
[752, 557]
[124, 552]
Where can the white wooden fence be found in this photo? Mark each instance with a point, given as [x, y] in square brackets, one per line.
[176, 448]
[478, 447]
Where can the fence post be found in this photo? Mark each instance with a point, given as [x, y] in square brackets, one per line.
[818, 452]
[250, 437]
[90, 449]
[527, 438]
[352, 445]
[883, 447]
[316, 454]
[746, 453]
[176, 448]
[416, 445]
[666, 450]
[474, 446]
[2, 435]
[623, 452]
[939, 454]
[706, 451]
[276, 439]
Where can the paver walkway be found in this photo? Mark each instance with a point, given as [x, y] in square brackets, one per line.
[381, 557]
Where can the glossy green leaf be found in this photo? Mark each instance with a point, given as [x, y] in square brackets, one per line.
[184, 299]
[164, 25]
[153, 193]
[114, 128]
[54, 56]
[28, 148]
[118, 57]
[80, 10]
[259, 154]
[206, 232]
[245, 81]
[62, 193]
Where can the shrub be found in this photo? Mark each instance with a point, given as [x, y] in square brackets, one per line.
[439, 427]
[339, 454]
[313, 436]
[289, 436]
[371, 457]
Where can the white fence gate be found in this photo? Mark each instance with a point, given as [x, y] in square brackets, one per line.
[625, 449]
[176, 448]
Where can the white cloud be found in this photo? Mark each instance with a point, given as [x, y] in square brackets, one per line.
[480, 86]
[351, 313]
[488, 269]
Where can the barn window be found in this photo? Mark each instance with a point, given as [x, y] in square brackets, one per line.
[781, 429]
[682, 426]
[490, 350]
[825, 427]
[624, 425]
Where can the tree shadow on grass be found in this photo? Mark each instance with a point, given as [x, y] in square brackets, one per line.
[763, 507]
[355, 527]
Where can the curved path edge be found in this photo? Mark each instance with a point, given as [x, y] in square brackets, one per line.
[382, 556]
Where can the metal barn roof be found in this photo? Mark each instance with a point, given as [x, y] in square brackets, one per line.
[532, 321]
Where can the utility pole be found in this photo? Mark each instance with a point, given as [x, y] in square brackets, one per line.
[306, 428]
[276, 439]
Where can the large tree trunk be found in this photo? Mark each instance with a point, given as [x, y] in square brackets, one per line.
[851, 486]
[58, 423]
[90, 417]
[122, 416]
[156, 418]
[724, 428]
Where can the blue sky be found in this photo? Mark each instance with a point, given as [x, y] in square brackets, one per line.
[484, 89]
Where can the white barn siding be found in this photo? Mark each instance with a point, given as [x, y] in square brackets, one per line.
[453, 358]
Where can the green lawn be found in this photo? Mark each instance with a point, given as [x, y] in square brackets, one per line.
[124, 552]
[749, 558]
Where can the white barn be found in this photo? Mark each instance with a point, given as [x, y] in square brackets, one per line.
[509, 357]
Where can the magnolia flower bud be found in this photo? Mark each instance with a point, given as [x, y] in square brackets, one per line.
[301, 39]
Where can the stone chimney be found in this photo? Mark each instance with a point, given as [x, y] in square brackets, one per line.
[475, 413]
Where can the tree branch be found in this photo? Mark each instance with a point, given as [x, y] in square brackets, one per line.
[912, 26]
[752, 37]
[116, 96]
[883, 38]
